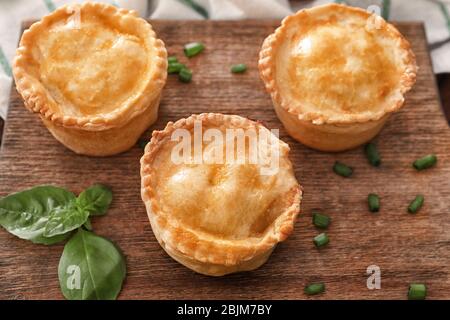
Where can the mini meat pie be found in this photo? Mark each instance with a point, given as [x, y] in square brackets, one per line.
[218, 218]
[94, 73]
[335, 74]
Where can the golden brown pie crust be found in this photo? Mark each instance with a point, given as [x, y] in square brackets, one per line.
[99, 99]
[217, 219]
[335, 73]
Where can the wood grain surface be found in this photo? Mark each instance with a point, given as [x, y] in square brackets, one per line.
[408, 248]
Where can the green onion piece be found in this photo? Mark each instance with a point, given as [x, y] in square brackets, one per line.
[416, 204]
[417, 291]
[374, 202]
[425, 162]
[314, 288]
[175, 67]
[321, 240]
[320, 220]
[238, 68]
[372, 154]
[185, 75]
[142, 143]
[342, 169]
[172, 59]
[193, 48]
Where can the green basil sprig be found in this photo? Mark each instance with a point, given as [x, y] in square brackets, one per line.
[46, 214]
[91, 268]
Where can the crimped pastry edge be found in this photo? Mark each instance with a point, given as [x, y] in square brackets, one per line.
[189, 243]
[36, 98]
[267, 65]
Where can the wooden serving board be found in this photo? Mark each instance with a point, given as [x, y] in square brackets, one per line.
[408, 248]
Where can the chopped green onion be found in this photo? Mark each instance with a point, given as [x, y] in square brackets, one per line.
[238, 68]
[175, 67]
[374, 202]
[142, 143]
[185, 75]
[372, 154]
[416, 204]
[172, 59]
[342, 169]
[417, 291]
[193, 48]
[321, 240]
[425, 162]
[314, 288]
[320, 220]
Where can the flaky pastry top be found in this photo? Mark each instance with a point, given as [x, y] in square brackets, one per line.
[337, 64]
[89, 65]
[233, 209]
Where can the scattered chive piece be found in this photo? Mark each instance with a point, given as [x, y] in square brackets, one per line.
[372, 154]
[416, 204]
[321, 240]
[142, 143]
[374, 202]
[193, 48]
[175, 67]
[185, 75]
[342, 169]
[172, 59]
[425, 162]
[315, 288]
[320, 220]
[417, 291]
[238, 68]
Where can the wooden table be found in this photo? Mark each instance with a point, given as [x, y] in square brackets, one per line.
[408, 248]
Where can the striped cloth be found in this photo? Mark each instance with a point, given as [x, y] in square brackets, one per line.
[435, 14]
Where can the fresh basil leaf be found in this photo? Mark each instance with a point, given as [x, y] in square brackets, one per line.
[88, 225]
[91, 268]
[26, 213]
[65, 219]
[96, 199]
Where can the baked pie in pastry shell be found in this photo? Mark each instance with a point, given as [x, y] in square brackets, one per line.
[335, 74]
[217, 218]
[94, 73]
